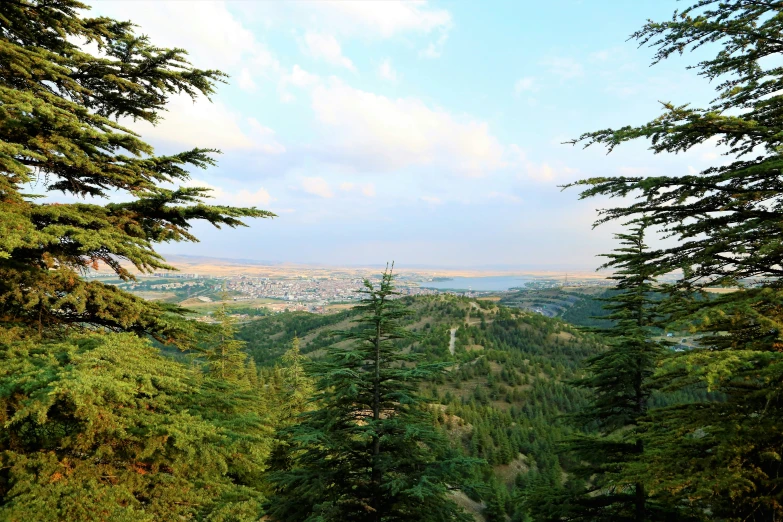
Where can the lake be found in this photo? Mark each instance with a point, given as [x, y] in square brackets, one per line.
[481, 284]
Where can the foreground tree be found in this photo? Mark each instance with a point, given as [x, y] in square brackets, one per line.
[721, 457]
[98, 425]
[224, 354]
[102, 427]
[60, 109]
[369, 451]
[618, 379]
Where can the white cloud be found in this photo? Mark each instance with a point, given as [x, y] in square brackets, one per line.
[542, 172]
[368, 189]
[506, 198]
[386, 71]
[326, 47]
[524, 84]
[245, 80]
[546, 173]
[298, 77]
[516, 154]
[431, 200]
[316, 187]
[434, 49]
[387, 133]
[384, 19]
[241, 198]
[212, 35]
[565, 68]
[301, 78]
[202, 123]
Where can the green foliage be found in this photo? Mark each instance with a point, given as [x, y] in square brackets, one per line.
[270, 337]
[369, 449]
[291, 390]
[721, 458]
[102, 427]
[589, 312]
[619, 381]
[56, 128]
[225, 357]
[502, 400]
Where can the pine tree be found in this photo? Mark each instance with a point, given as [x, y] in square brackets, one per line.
[292, 398]
[619, 381]
[60, 113]
[719, 456]
[102, 427]
[225, 355]
[370, 451]
[297, 386]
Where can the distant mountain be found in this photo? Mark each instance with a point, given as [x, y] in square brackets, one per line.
[502, 400]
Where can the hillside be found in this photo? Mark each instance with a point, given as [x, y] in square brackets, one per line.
[579, 306]
[503, 398]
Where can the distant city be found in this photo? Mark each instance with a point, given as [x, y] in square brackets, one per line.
[318, 291]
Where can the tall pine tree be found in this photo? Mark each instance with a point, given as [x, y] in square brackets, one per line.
[619, 381]
[721, 457]
[370, 450]
[101, 426]
[60, 108]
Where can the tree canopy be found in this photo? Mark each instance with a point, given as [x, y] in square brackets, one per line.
[368, 450]
[720, 457]
[64, 113]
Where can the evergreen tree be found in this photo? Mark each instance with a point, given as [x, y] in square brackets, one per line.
[60, 109]
[619, 382]
[294, 389]
[721, 457]
[297, 386]
[370, 451]
[226, 358]
[102, 427]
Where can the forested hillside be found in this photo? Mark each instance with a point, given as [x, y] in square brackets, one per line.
[502, 398]
[580, 307]
[114, 408]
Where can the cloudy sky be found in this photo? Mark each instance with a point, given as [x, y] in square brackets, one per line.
[426, 132]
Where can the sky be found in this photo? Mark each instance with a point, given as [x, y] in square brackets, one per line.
[429, 133]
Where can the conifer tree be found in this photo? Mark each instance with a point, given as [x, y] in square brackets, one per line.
[225, 356]
[721, 457]
[369, 451]
[292, 398]
[232, 400]
[103, 427]
[297, 386]
[61, 127]
[619, 381]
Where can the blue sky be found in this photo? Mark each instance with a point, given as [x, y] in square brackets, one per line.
[425, 132]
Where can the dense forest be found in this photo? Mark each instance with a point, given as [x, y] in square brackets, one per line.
[501, 398]
[429, 409]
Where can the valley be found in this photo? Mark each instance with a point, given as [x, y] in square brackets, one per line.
[501, 398]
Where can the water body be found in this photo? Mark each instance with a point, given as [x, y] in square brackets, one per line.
[481, 284]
